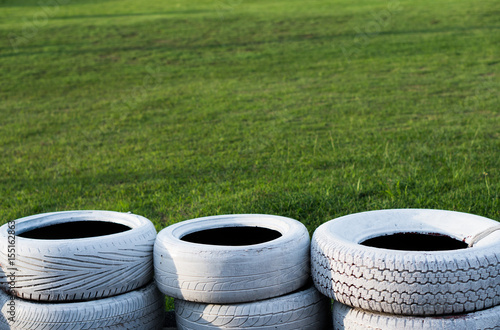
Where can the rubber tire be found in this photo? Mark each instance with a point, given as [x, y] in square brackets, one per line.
[142, 309]
[305, 309]
[407, 282]
[79, 269]
[345, 317]
[232, 274]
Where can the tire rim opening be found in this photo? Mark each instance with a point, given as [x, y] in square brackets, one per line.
[415, 242]
[75, 229]
[232, 236]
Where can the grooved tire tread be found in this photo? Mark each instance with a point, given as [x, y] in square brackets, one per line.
[405, 282]
[81, 269]
[140, 309]
[345, 317]
[306, 309]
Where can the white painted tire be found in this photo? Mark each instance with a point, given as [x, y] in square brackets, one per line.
[141, 309]
[348, 318]
[407, 282]
[80, 268]
[305, 309]
[223, 274]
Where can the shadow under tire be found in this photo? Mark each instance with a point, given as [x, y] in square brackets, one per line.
[214, 260]
[402, 281]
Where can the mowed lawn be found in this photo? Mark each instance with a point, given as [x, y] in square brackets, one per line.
[307, 109]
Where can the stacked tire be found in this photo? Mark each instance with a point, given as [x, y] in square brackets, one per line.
[79, 270]
[239, 271]
[409, 269]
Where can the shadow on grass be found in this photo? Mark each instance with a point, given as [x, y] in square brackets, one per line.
[219, 44]
[38, 3]
[147, 192]
[164, 13]
[141, 192]
[312, 209]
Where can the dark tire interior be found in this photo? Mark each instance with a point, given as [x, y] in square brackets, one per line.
[415, 242]
[232, 236]
[74, 230]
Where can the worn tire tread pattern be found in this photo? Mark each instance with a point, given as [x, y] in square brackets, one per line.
[345, 317]
[139, 309]
[306, 309]
[169, 281]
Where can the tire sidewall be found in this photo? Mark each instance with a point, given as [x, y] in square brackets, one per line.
[340, 263]
[117, 250]
[228, 263]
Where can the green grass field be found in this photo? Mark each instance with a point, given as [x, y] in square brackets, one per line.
[306, 109]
